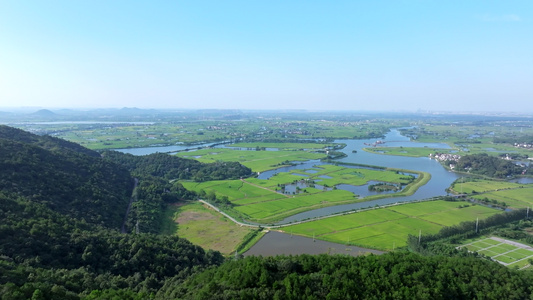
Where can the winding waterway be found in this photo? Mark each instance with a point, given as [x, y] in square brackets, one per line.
[278, 243]
[162, 149]
[440, 177]
[440, 180]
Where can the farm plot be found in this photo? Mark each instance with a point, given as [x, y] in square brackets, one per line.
[258, 161]
[386, 228]
[204, 227]
[287, 193]
[262, 204]
[331, 175]
[514, 198]
[281, 145]
[277, 208]
[506, 252]
[480, 186]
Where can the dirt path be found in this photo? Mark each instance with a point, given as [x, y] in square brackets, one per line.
[264, 188]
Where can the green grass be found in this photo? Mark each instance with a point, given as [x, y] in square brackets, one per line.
[281, 207]
[261, 200]
[168, 225]
[514, 198]
[281, 146]
[338, 174]
[258, 161]
[451, 217]
[480, 186]
[509, 254]
[385, 228]
[208, 229]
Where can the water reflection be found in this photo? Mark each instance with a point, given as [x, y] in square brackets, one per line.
[163, 149]
[362, 190]
[440, 180]
[523, 180]
[297, 166]
[277, 243]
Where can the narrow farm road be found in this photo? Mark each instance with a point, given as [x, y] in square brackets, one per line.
[264, 188]
[228, 216]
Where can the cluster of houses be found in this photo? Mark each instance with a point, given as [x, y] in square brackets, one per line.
[216, 127]
[523, 145]
[446, 157]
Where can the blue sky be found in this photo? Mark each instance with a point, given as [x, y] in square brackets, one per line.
[348, 55]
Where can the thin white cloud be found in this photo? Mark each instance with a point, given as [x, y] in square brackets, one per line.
[500, 18]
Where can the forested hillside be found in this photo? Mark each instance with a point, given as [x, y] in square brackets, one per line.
[45, 141]
[64, 176]
[61, 207]
[390, 276]
[155, 190]
[64, 258]
[172, 167]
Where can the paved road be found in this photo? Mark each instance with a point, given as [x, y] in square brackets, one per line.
[228, 216]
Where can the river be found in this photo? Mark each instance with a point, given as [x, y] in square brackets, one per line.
[278, 243]
[162, 149]
[440, 180]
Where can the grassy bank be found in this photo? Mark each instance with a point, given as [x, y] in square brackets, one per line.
[205, 227]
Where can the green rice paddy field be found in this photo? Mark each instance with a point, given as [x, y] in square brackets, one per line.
[258, 161]
[515, 195]
[281, 145]
[386, 228]
[264, 205]
[331, 175]
[480, 186]
[264, 200]
[514, 198]
[506, 252]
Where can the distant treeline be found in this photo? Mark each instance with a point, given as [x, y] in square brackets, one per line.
[173, 167]
[525, 139]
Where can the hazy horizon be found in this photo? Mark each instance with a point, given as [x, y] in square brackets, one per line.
[398, 56]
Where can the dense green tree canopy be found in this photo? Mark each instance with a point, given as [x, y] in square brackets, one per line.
[389, 276]
[491, 166]
[173, 167]
[57, 173]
